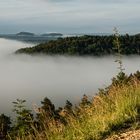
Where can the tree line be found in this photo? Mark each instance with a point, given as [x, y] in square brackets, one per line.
[87, 45]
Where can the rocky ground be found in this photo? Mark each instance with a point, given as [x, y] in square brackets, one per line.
[129, 135]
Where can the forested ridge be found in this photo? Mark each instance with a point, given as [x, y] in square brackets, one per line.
[87, 45]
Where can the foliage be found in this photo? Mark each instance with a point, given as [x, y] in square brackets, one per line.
[117, 45]
[24, 118]
[113, 108]
[46, 113]
[4, 125]
[88, 45]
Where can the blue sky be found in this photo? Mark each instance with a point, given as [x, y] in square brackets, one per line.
[69, 16]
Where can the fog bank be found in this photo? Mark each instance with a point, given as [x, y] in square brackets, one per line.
[59, 78]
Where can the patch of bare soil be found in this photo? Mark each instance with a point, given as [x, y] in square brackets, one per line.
[129, 135]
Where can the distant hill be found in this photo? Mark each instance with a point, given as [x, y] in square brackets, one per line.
[25, 34]
[28, 37]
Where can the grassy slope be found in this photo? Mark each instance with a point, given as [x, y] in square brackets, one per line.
[107, 113]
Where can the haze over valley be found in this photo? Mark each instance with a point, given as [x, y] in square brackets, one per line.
[59, 78]
[69, 69]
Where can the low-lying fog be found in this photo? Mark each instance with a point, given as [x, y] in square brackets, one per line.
[59, 78]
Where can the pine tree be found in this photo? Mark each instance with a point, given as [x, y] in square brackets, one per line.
[24, 118]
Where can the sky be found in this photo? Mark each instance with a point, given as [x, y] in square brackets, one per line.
[69, 16]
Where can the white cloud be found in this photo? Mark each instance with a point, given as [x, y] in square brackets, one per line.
[72, 13]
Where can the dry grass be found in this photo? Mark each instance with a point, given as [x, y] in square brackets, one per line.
[108, 113]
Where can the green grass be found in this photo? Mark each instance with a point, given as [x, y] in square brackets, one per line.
[116, 110]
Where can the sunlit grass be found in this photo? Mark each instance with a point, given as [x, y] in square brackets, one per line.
[107, 113]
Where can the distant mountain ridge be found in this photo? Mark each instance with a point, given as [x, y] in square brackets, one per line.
[32, 37]
[25, 34]
[33, 34]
